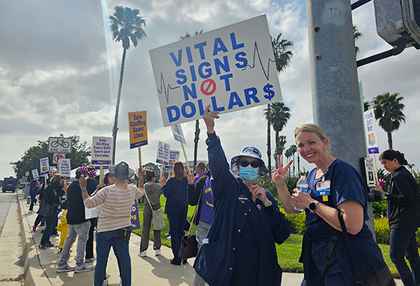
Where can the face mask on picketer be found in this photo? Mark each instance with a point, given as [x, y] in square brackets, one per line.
[249, 174]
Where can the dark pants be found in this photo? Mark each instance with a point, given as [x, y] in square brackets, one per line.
[39, 219]
[49, 228]
[403, 244]
[89, 244]
[147, 224]
[104, 242]
[176, 230]
[33, 202]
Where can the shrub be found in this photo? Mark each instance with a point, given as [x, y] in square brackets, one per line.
[379, 208]
[381, 230]
[297, 222]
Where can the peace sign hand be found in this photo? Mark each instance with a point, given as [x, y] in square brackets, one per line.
[209, 118]
[279, 175]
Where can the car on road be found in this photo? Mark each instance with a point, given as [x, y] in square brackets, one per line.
[9, 184]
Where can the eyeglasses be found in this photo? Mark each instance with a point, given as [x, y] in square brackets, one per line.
[254, 164]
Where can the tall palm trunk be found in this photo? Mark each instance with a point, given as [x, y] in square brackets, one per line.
[389, 135]
[269, 138]
[115, 129]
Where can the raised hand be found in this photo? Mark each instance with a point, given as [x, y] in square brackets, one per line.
[279, 175]
[209, 118]
[190, 177]
[82, 182]
[257, 192]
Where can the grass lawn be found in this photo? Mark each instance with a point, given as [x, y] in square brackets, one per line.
[288, 252]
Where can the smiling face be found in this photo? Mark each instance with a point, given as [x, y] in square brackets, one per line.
[312, 147]
[390, 165]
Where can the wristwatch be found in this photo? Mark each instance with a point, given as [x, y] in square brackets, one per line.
[313, 206]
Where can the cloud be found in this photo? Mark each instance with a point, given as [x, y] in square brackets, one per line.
[59, 72]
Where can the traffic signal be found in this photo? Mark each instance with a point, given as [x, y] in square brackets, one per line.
[411, 19]
[398, 21]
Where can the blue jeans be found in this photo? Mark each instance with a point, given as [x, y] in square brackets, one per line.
[403, 244]
[81, 232]
[104, 242]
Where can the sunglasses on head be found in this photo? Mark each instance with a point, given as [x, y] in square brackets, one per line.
[254, 164]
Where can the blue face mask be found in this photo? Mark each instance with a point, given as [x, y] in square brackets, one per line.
[248, 174]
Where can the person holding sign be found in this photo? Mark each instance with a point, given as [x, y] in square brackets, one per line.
[114, 221]
[176, 192]
[151, 208]
[403, 204]
[338, 248]
[240, 248]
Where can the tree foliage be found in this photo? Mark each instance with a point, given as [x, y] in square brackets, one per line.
[127, 26]
[388, 110]
[30, 159]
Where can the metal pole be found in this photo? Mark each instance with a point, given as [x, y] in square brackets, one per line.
[139, 153]
[336, 101]
[196, 139]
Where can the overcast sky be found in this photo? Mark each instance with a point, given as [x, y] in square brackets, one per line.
[59, 72]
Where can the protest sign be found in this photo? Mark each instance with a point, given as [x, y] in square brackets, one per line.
[35, 174]
[101, 151]
[64, 167]
[59, 144]
[134, 216]
[137, 126]
[372, 145]
[230, 69]
[163, 153]
[44, 165]
[91, 212]
[173, 157]
[178, 133]
[57, 157]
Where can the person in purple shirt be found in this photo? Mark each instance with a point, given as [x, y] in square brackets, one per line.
[203, 198]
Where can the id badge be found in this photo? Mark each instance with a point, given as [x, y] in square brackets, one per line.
[323, 189]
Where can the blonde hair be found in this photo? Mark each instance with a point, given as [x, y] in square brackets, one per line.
[311, 128]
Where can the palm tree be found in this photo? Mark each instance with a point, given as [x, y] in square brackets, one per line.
[126, 26]
[388, 110]
[278, 116]
[282, 56]
[197, 122]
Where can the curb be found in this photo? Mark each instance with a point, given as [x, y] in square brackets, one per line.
[32, 275]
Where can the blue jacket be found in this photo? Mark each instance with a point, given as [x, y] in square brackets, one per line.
[241, 242]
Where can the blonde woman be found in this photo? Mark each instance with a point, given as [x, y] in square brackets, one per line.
[334, 190]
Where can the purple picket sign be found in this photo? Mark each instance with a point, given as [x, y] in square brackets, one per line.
[134, 214]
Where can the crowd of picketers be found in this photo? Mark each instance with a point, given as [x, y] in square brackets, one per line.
[238, 222]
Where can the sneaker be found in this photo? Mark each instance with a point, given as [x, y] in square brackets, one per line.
[89, 260]
[175, 261]
[65, 268]
[157, 252]
[143, 253]
[83, 268]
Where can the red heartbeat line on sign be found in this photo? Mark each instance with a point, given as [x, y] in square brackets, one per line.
[165, 88]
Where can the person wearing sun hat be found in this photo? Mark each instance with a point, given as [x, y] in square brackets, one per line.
[114, 225]
[240, 246]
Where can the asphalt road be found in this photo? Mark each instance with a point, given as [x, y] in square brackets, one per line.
[6, 199]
